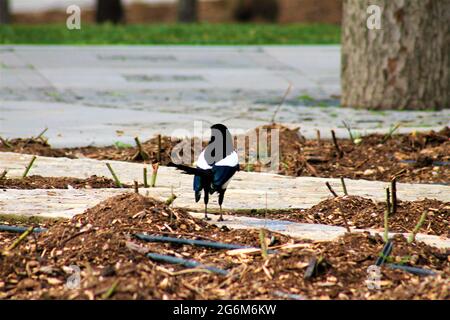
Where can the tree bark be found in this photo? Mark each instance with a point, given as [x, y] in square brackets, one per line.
[109, 11]
[4, 12]
[403, 65]
[187, 11]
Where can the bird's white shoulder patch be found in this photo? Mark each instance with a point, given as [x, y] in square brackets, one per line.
[201, 162]
[230, 161]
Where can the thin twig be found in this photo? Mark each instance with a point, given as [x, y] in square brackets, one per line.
[390, 133]
[155, 167]
[281, 103]
[158, 154]
[349, 129]
[331, 189]
[136, 187]
[20, 239]
[344, 187]
[145, 178]
[6, 143]
[339, 151]
[318, 136]
[116, 179]
[3, 175]
[386, 226]
[140, 153]
[262, 240]
[41, 134]
[394, 195]
[388, 200]
[111, 290]
[29, 167]
[413, 234]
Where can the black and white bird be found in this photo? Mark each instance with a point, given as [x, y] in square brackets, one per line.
[216, 165]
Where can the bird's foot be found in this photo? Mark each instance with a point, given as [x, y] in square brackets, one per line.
[206, 218]
[221, 219]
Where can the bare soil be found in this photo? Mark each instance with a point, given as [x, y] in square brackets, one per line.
[96, 241]
[38, 182]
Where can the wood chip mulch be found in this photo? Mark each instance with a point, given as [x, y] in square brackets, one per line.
[97, 242]
[363, 213]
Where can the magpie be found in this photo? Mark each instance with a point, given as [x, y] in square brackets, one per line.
[216, 165]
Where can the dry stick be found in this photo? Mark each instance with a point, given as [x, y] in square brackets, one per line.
[145, 178]
[413, 234]
[318, 136]
[20, 239]
[281, 103]
[349, 129]
[262, 240]
[158, 154]
[29, 167]
[6, 143]
[391, 132]
[388, 200]
[116, 180]
[155, 167]
[336, 145]
[171, 199]
[386, 226]
[331, 189]
[3, 174]
[344, 187]
[394, 195]
[136, 187]
[141, 151]
[41, 134]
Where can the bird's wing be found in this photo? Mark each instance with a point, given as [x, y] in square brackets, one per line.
[223, 175]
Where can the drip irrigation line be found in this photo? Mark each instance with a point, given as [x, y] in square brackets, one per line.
[184, 262]
[17, 229]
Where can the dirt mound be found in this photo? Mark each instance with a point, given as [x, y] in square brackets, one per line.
[30, 146]
[38, 182]
[97, 242]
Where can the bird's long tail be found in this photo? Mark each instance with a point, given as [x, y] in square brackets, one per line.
[190, 170]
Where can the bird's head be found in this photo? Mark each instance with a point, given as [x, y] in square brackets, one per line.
[221, 143]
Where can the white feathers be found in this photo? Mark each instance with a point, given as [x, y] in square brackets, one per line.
[230, 161]
[201, 162]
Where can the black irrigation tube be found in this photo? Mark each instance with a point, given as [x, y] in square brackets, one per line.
[17, 229]
[184, 262]
[387, 249]
[413, 270]
[200, 243]
[435, 163]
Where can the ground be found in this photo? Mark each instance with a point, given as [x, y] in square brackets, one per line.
[305, 242]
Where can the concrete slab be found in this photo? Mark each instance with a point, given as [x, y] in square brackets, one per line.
[246, 191]
[240, 86]
[315, 232]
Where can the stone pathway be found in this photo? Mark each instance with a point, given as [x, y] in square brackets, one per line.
[316, 232]
[246, 191]
[102, 94]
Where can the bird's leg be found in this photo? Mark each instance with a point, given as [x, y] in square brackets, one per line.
[206, 212]
[206, 199]
[221, 196]
[221, 216]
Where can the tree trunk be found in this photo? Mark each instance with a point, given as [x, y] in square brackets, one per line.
[403, 65]
[187, 11]
[4, 12]
[109, 11]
